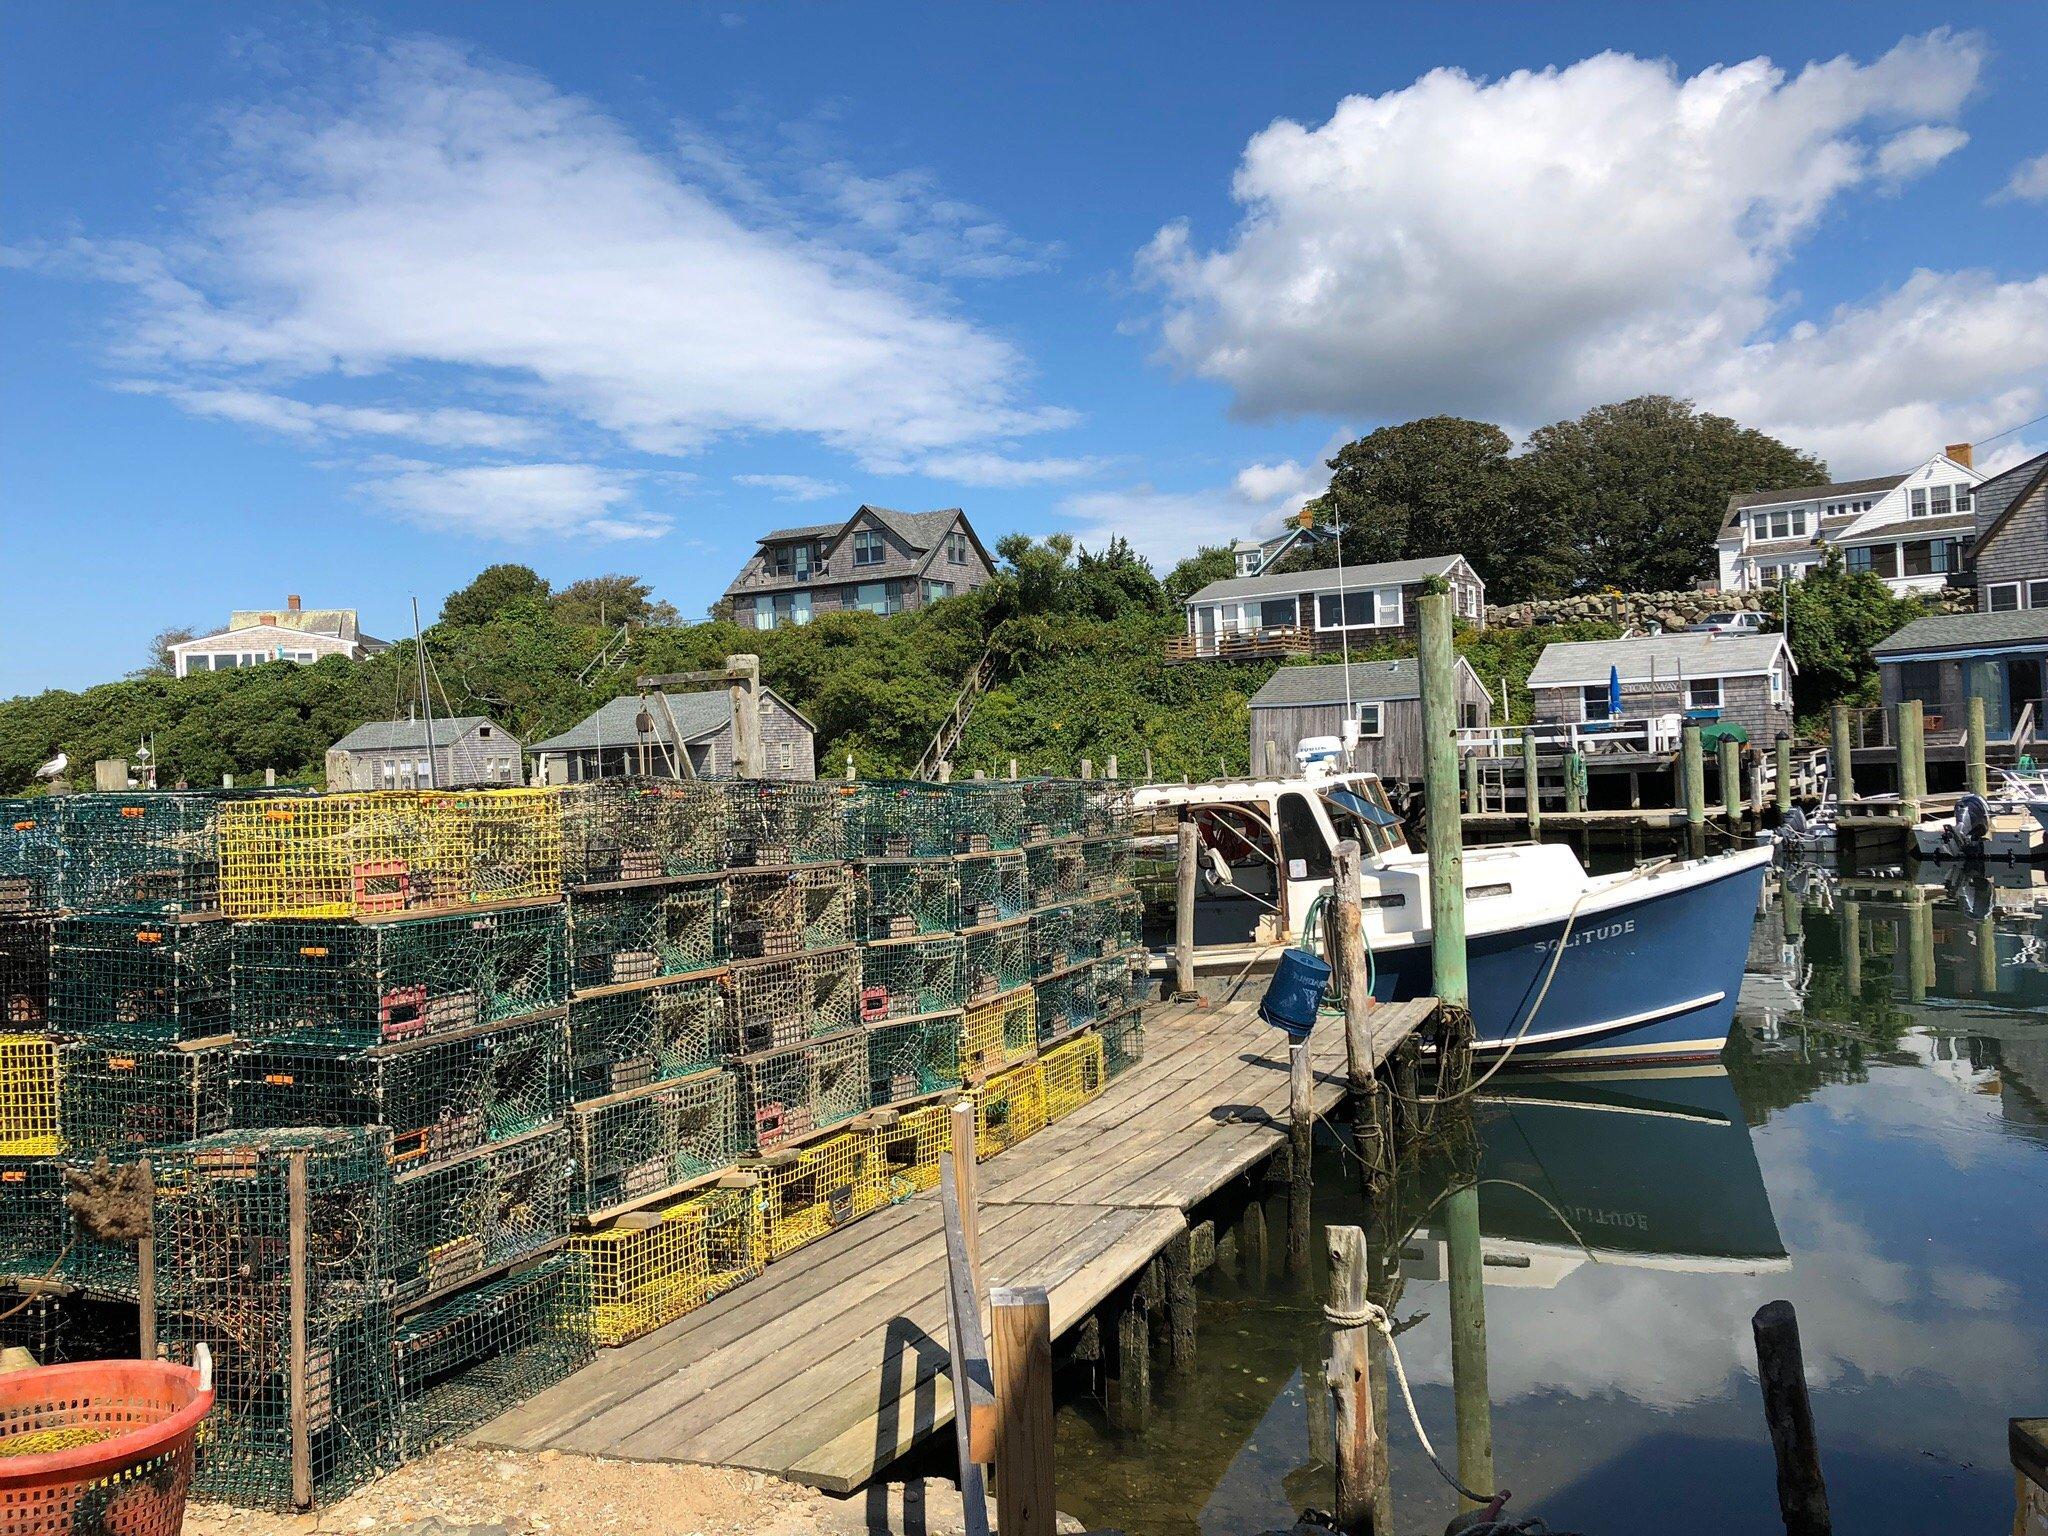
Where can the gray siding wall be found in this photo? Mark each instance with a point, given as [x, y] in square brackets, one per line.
[457, 765]
[833, 580]
[2018, 551]
[1745, 701]
[1396, 753]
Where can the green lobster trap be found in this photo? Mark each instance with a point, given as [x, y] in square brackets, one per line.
[633, 1036]
[1054, 808]
[141, 975]
[988, 815]
[639, 1145]
[902, 977]
[1118, 981]
[134, 1095]
[900, 819]
[1123, 1041]
[781, 821]
[788, 1094]
[1054, 873]
[1107, 865]
[906, 897]
[454, 1222]
[30, 857]
[1066, 1002]
[788, 911]
[996, 958]
[913, 1058]
[642, 932]
[460, 1364]
[644, 829]
[143, 851]
[438, 1096]
[786, 1001]
[32, 1218]
[327, 982]
[1052, 937]
[24, 972]
[993, 888]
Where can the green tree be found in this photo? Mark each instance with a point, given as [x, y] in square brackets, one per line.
[1837, 621]
[495, 587]
[1212, 562]
[161, 662]
[1633, 495]
[609, 601]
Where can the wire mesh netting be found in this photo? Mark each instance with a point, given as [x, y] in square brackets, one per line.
[644, 828]
[463, 1362]
[1054, 808]
[1007, 1108]
[647, 1272]
[358, 984]
[1052, 933]
[778, 821]
[30, 854]
[786, 911]
[910, 1149]
[906, 897]
[1089, 925]
[150, 851]
[902, 819]
[437, 1097]
[786, 1095]
[1125, 926]
[988, 814]
[995, 959]
[1073, 1074]
[992, 888]
[360, 855]
[1054, 872]
[452, 1222]
[1066, 1001]
[998, 1032]
[913, 1058]
[786, 1001]
[1123, 1042]
[627, 1039]
[643, 932]
[24, 972]
[137, 976]
[143, 1094]
[32, 1221]
[1118, 980]
[1109, 809]
[1107, 864]
[902, 977]
[635, 1145]
[816, 1188]
[28, 1096]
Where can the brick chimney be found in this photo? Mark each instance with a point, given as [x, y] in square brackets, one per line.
[1960, 452]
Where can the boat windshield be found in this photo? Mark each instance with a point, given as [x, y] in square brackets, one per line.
[1360, 811]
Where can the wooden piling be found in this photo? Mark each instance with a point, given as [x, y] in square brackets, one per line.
[1841, 755]
[1574, 783]
[1348, 959]
[1919, 948]
[1852, 947]
[1783, 747]
[1692, 772]
[1473, 802]
[1912, 735]
[1731, 781]
[1301, 1144]
[1439, 683]
[1350, 1380]
[1532, 785]
[145, 1268]
[1977, 772]
[1469, 1386]
[1781, 1372]
[1180, 1300]
[1134, 1363]
[1021, 1352]
[298, 1406]
[1255, 1243]
[1187, 862]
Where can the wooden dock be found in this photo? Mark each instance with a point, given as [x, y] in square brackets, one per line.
[832, 1363]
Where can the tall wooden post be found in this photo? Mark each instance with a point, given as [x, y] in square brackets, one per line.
[1841, 755]
[1473, 804]
[1731, 782]
[1852, 947]
[1912, 736]
[1574, 787]
[1532, 784]
[1348, 959]
[145, 1268]
[1987, 956]
[1350, 1379]
[1301, 1146]
[1187, 861]
[298, 1405]
[1468, 1340]
[1439, 682]
[1919, 948]
[1781, 1372]
[1693, 772]
[1976, 767]
[1783, 748]
[749, 756]
[1021, 1352]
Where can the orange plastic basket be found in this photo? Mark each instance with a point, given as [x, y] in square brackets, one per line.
[101, 1448]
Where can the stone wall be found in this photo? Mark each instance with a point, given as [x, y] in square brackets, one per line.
[1673, 610]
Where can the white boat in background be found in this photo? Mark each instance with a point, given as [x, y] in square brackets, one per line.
[2001, 829]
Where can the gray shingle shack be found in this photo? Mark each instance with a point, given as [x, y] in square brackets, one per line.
[1743, 679]
[469, 750]
[1940, 659]
[636, 734]
[1385, 696]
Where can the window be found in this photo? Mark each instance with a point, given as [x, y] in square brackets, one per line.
[1777, 686]
[2002, 598]
[1921, 680]
[792, 560]
[1964, 498]
[934, 590]
[1347, 610]
[878, 597]
[1932, 557]
[387, 771]
[1938, 501]
[1872, 559]
[785, 757]
[1304, 852]
[868, 548]
[956, 548]
[483, 732]
[2037, 594]
[1369, 724]
[1703, 693]
[1277, 613]
[1593, 703]
[1781, 523]
[1919, 501]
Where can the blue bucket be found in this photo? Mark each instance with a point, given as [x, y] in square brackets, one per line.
[1295, 993]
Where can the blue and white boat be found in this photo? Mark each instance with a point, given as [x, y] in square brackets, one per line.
[1565, 968]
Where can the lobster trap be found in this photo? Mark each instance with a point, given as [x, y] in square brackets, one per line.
[1007, 1108]
[807, 1192]
[783, 821]
[640, 933]
[28, 1096]
[1054, 808]
[905, 819]
[1117, 980]
[1124, 929]
[30, 857]
[127, 1097]
[32, 1218]
[1073, 1074]
[464, 1362]
[388, 851]
[339, 983]
[1107, 864]
[1090, 928]
[995, 959]
[912, 1059]
[1052, 936]
[1066, 1001]
[907, 897]
[24, 972]
[643, 829]
[788, 911]
[141, 975]
[909, 1149]
[455, 1221]
[998, 1033]
[1054, 872]
[784, 1002]
[993, 888]
[438, 1096]
[988, 815]
[628, 1038]
[1108, 809]
[150, 851]
[1123, 1042]
[786, 1095]
[635, 1146]
[645, 1271]
[901, 978]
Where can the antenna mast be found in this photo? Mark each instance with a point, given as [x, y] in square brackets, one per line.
[419, 656]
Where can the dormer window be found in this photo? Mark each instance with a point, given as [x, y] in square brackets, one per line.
[956, 548]
[1938, 501]
[1779, 523]
[792, 560]
[867, 548]
[1919, 501]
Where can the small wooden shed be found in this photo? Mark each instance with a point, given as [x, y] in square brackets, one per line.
[1385, 697]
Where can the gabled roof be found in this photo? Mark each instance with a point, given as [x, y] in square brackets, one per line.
[278, 636]
[408, 735]
[616, 724]
[921, 535]
[808, 531]
[1655, 658]
[1912, 527]
[1742, 501]
[1997, 496]
[1964, 631]
[1389, 573]
[1371, 682]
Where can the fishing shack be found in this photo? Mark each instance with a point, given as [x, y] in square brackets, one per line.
[1381, 700]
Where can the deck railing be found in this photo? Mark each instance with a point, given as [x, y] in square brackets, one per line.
[1233, 644]
[1647, 733]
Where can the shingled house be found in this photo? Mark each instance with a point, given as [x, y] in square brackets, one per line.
[639, 734]
[1745, 680]
[2009, 562]
[1384, 697]
[1302, 613]
[468, 750]
[291, 633]
[877, 561]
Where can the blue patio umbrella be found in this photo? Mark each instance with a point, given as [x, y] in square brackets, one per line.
[1614, 692]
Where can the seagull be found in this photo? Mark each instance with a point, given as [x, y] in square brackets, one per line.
[53, 767]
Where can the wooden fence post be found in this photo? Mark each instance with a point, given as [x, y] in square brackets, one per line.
[298, 1407]
[1022, 1356]
[1350, 1381]
[1301, 1153]
[1781, 1372]
[1348, 958]
[1186, 864]
[145, 1269]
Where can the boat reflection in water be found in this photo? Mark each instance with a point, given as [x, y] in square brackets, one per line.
[1649, 1171]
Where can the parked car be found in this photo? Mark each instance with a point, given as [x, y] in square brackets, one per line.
[1744, 623]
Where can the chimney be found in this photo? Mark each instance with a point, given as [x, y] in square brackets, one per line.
[1960, 452]
[291, 601]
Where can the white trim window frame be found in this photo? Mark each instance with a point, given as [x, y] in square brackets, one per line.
[1696, 696]
[2012, 588]
[1372, 712]
[1344, 602]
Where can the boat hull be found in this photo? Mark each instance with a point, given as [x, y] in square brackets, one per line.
[1645, 978]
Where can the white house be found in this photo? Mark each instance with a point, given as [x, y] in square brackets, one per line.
[1913, 529]
[1251, 556]
[291, 633]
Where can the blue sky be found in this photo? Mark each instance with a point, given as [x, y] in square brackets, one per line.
[351, 301]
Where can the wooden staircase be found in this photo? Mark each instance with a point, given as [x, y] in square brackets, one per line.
[950, 730]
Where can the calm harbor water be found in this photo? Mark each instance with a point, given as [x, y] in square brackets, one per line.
[1874, 1147]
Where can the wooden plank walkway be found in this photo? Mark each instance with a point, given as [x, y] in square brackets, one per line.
[831, 1364]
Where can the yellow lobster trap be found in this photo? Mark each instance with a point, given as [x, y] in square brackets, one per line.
[648, 1270]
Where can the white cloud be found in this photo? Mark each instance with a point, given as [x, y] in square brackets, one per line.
[440, 426]
[2029, 182]
[1521, 248]
[1001, 470]
[1168, 526]
[793, 487]
[519, 503]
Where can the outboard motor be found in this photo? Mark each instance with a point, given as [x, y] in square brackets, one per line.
[1973, 821]
[1793, 826]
